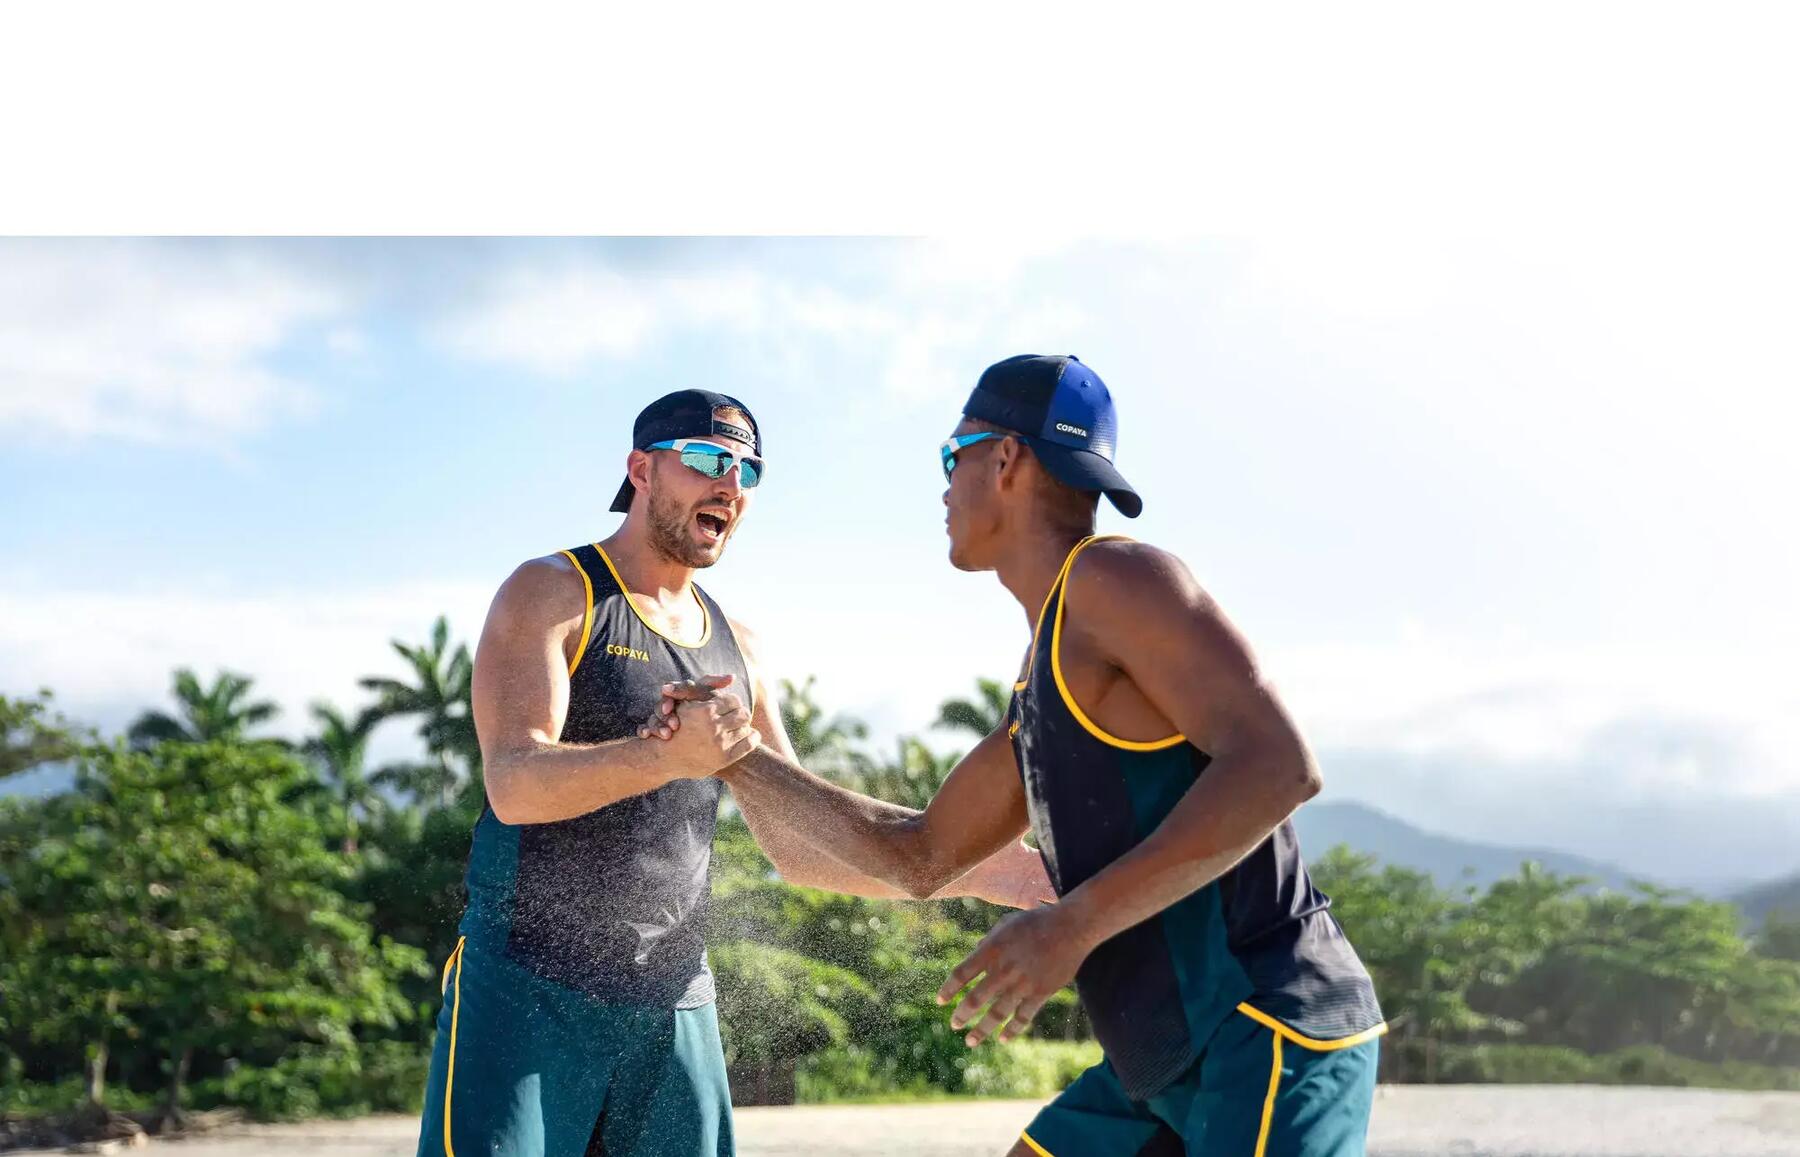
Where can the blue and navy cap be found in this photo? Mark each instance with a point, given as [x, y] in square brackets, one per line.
[686, 414]
[1066, 414]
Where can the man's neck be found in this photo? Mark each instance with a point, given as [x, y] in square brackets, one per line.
[645, 570]
[1030, 563]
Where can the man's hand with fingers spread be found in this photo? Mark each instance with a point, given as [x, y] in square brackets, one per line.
[706, 726]
[1021, 962]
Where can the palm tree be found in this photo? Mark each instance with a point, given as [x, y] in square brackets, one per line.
[222, 711]
[339, 750]
[982, 715]
[440, 693]
[824, 745]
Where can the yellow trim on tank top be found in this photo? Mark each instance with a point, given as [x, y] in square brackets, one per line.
[1037, 629]
[705, 631]
[1307, 1042]
[1068, 699]
[1035, 1147]
[587, 616]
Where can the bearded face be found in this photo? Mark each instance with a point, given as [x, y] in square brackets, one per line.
[691, 516]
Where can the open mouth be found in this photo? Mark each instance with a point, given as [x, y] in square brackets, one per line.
[712, 526]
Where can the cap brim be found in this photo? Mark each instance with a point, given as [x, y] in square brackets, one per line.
[622, 501]
[1086, 470]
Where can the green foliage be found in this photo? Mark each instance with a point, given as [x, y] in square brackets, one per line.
[1021, 1069]
[1523, 1064]
[778, 1004]
[1532, 960]
[31, 734]
[409, 877]
[274, 922]
[855, 1073]
[55, 1098]
[1780, 938]
[332, 1081]
[176, 902]
[980, 716]
[1028, 1068]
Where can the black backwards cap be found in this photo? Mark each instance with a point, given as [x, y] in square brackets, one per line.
[686, 414]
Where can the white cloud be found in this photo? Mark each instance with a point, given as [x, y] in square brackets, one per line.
[559, 319]
[924, 312]
[1717, 728]
[146, 341]
[299, 645]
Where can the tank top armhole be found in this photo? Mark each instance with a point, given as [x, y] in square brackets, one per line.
[587, 613]
[714, 612]
[1061, 593]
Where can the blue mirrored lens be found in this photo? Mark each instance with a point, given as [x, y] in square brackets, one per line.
[709, 462]
[716, 464]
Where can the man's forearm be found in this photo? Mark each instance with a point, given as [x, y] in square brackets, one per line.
[803, 863]
[871, 837]
[1225, 816]
[547, 782]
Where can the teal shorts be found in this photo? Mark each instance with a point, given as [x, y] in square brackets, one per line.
[524, 1067]
[1257, 1090]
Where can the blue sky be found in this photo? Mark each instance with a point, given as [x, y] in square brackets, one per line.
[1505, 515]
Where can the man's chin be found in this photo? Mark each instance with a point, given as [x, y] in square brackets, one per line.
[704, 554]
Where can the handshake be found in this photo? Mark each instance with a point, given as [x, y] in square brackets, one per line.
[705, 726]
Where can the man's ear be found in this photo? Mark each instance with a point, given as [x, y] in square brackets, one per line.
[1008, 459]
[637, 469]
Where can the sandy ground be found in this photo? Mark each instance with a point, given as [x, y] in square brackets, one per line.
[1410, 1121]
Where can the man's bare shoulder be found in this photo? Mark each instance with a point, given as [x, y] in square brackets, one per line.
[1126, 577]
[746, 638]
[540, 593]
[1132, 599]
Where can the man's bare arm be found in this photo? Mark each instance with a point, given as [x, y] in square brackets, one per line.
[1142, 611]
[521, 700]
[979, 810]
[1013, 876]
[1148, 616]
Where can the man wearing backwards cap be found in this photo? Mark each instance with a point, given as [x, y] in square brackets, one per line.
[1157, 771]
[577, 1014]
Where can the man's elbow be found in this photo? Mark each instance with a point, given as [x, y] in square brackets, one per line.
[922, 886]
[1283, 751]
[913, 865]
[920, 869]
[1309, 782]
[924, 876]
[503, 796]
[504, 809]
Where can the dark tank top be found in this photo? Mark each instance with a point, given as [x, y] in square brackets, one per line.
[1259, 941]
[612, 903]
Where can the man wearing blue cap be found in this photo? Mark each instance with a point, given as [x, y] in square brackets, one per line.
[578, 1005]
[1157, 771]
